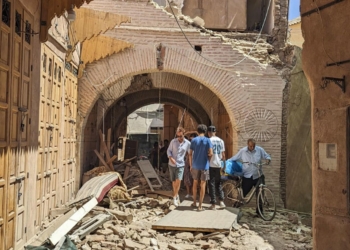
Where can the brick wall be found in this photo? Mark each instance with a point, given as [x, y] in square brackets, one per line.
[252, 88]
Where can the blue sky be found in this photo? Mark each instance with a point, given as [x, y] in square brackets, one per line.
[293, 9]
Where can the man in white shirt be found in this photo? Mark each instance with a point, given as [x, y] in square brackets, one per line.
[177, 151]
[215, 184]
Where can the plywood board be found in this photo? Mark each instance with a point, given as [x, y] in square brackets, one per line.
[149, 173]
[186, 218]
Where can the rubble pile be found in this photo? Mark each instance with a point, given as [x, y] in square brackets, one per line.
[130, 228]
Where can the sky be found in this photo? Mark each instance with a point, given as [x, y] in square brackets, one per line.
[293, 9]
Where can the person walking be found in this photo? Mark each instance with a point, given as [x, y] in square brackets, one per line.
[200, 153]
[215, 183]
[188, 180]
[177, 150]
[250, 156]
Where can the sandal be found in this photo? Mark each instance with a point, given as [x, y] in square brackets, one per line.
[200, 209]
[212, 207]
[193, 205]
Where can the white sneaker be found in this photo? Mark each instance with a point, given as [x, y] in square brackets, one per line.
[188, 196]
[176, 203]
[178, 198]
[222, 204]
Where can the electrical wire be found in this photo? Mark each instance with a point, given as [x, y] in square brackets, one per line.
[245, 56]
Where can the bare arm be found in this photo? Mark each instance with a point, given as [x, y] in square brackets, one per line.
[190, 158]
[223, 155]
[210, 153]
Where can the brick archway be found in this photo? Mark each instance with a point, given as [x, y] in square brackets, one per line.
[242, 89]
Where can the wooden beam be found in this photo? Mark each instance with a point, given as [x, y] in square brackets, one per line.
[112, 159]
[101, 159]
[105, 149]
[126, 161]
[126, 172]
[109, 132]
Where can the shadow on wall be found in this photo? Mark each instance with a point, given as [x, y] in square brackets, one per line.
[298, 165]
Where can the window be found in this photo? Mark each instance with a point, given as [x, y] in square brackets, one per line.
[59, 74]
[28, 31]
[44, 62]
[6, 12]
[18, 23]
[50, 66]
[55, 71]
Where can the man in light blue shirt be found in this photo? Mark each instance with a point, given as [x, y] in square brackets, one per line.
[250, 156]
[177, 150]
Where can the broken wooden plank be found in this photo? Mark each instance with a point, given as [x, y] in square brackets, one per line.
[72, 221]
[42, 237]
[126, 172]
[112, 159]
[124, 162]
[101, 159]
[132, 188]
[149, 173]
[109, 133]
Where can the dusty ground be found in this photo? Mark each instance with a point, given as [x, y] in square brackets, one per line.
[286, 231]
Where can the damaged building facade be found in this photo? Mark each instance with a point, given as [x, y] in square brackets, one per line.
[63, 80]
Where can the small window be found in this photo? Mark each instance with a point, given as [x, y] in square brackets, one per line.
[198, 48]
[75, 71]
[55, 71]
[69, 67]
[50, 66]
[18, 23]
[28, 31]
[6, 12]
[59, 74]
[44, 62]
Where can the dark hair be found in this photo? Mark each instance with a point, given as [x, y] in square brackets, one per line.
[193, 135]
[166, 140]
[251, 140]
[155, 144]
[186, 137]
[202, 129]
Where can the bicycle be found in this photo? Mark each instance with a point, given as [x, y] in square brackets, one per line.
[233, 194]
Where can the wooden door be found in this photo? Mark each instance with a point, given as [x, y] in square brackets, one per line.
[15, 74]
[69, 135]
[47, 170]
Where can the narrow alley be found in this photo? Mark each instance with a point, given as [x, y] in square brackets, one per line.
[174, 124]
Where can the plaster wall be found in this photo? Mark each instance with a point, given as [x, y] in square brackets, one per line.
[296, 37]
[219, 14]
[298, 165]
[326, 41]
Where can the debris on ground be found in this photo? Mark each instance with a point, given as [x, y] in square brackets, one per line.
[123, 219]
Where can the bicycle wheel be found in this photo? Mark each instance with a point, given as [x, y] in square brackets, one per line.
[267, 205]
[231, 194]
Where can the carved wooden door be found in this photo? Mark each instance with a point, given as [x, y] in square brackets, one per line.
[47, 171]
[15, 84]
